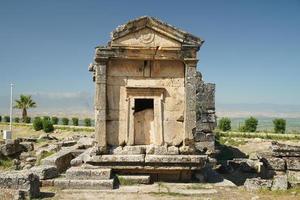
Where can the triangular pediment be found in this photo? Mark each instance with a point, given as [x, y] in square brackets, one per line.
[151, 32]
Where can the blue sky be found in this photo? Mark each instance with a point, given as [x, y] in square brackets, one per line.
[251, 49]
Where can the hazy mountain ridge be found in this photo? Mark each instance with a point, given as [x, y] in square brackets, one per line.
[81, 104]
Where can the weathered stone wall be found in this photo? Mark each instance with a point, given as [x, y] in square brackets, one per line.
[206, 118]
[133, 73]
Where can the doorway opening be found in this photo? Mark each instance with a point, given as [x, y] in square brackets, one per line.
[143, 121]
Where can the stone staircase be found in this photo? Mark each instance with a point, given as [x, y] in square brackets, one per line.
[86, 178]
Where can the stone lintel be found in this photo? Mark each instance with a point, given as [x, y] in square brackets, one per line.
[118, 158]
[179, 159]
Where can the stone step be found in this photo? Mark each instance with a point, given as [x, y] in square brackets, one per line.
[134, 179]
[79, 173]
[63, 183]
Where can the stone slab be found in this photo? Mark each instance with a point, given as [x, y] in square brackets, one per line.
[118, 158]
[84, 184]
[45, 171]
[61, 160]
[78, 173]
[252, 184]
[293, 178]
[134, 179]
[274, 163]
[191, 159]
[293, 163]
[21, 180]
[280, 182]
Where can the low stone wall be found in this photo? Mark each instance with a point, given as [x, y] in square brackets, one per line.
[285, 159]
[26, 182]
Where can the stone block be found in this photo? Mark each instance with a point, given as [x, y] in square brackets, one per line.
[27, 146]
[172, 150]
[133, 150]
[84, 184]
[31, 159]
[284, 150]
[78, 173]
[192, 159]
[293, 178]
[160, 150]
[21, 180]
[118, 158]
[86, 142]
[61, 160]
[280, 182]
[186, 150]
[11, 147]
[274, 163]
[133, 179]
[45, 171]
[252, 184]
[293, 163]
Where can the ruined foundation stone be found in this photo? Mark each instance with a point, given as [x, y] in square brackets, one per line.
[24, 181]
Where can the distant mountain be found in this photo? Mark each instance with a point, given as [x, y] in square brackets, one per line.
[77, 104]
[81, 104]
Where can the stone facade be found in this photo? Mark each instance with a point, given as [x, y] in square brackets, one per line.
[148, 90]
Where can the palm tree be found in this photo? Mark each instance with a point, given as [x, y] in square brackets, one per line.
[24, 103]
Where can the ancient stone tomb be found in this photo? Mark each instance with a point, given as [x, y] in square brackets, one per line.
[148, 91]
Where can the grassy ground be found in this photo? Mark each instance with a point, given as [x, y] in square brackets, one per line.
[262, 135]
[26, 130]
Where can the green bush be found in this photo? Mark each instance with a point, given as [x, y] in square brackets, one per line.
[0, 118]
[37, 124]
[87, 122]
[46, 118]
[225, 124]
[279, 125]
[47, 126]
[17, 119]
[54, 120]
[250, 125]
[65, 121]
[75, 121]
[27, 120]
[6, 119]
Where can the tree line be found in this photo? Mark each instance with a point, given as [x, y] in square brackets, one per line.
[250, 125]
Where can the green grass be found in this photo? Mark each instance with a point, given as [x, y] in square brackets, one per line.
[6, 163]
[196, 187]
[232, 141]
[292, 191]
[74, 128]
[58, 127]
[262, 135]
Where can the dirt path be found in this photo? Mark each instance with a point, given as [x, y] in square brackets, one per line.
[174, 191]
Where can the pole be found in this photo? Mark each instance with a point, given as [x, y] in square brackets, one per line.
[11, 105]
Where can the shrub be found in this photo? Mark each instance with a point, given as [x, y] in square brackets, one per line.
[54, 120]
[17, 119]
[47, 126]
[87, 122]
[279, 125]
[46, 118]
[250, 125]
[27, 120]
[75, 121]
[6, 119]
[0, 118]
[225, 124]
[37, 124]
[65, 121]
